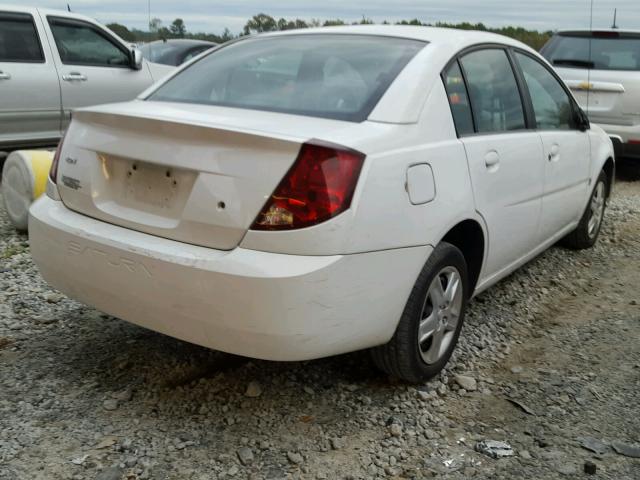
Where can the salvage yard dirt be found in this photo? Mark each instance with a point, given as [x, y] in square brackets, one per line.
[549, 363]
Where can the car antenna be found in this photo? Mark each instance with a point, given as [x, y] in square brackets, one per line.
[591, 65]
[68, 8]
[615, 16]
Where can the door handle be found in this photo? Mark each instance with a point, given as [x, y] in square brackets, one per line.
[74, 77]
[554, 152]
[5, 76]
[492, 160]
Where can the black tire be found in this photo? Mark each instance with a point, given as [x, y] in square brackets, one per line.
[582, 237]
[401, 357]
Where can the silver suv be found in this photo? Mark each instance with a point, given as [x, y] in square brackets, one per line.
[602, 68]
[53, 62]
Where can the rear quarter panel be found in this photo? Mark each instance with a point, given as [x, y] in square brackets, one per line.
[381, 216]
[601, 151]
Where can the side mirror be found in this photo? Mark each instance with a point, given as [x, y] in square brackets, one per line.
[136, 59]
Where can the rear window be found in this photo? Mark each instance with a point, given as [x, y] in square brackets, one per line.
[331, 76]
[597, 50]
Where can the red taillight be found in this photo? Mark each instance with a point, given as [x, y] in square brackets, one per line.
[53, 171]
[318, 186]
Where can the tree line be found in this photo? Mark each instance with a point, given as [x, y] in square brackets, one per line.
[265, 23]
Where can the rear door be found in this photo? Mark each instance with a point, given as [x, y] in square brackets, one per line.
[29, 89]
[566, 148]
[94, 67]
[505, 157]
[603, 71]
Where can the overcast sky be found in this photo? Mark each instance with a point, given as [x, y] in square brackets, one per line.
[214, 15]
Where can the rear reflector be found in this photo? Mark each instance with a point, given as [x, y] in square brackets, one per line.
[318, 186]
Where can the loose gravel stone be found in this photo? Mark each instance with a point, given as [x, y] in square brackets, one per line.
[110, 404]
[337, 443]
[594, 445]
[494, 448]
[124, 395]
[468, 383]
[111, 473]
[253, 390]
[54, 297]
[245, 455]
[567, 469]
[626, 449]
[295, 458]
[395, 430]
[590, 468]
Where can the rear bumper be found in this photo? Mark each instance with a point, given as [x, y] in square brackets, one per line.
[621, 135]
[246, 302]
[626, 150]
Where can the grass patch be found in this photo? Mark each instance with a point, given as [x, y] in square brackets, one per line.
[13, 250]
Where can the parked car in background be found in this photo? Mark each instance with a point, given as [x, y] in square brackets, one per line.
[603, 70]
[174, 52]
[52, 62]
[303, 194]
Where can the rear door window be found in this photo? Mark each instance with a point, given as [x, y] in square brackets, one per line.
[322, 75]
[551, 103]
[19, 40]
[495, 98]
[80, 43]
[597, 50]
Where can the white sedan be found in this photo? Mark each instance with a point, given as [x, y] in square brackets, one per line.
[304, 194]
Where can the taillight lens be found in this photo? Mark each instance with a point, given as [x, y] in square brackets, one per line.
[318, 186]
[53, 171]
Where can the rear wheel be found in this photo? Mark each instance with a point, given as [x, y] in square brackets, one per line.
[430, 325]
[587, 231]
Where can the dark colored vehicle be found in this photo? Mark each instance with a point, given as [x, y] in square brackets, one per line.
[174, 52]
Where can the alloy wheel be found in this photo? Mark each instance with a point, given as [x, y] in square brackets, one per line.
[596, 210]
[440, 315]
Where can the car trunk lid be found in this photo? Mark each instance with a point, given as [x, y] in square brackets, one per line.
[195, 174]
[606, 100]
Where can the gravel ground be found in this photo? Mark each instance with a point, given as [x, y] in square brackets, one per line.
[549, 361]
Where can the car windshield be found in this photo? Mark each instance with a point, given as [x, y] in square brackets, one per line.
[320, 75]
[597, 50]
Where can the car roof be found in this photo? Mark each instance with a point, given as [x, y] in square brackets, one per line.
[450, 38]
[399, 105]
[45, 11]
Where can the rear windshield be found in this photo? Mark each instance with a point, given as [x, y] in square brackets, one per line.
[320, 75]
[597, 50]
